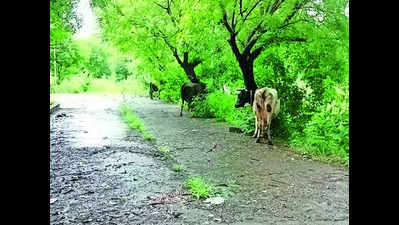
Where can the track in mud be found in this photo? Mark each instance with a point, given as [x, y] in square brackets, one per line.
[103, 173]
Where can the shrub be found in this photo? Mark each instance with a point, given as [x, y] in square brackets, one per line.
[327, 133]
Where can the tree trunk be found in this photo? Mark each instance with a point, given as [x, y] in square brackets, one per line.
[55, 67]
[189, 70]
[246, 66]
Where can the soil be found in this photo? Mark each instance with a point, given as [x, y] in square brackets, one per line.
[101, 172]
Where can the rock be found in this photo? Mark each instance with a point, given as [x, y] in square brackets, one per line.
[52, 200]
[215, 200]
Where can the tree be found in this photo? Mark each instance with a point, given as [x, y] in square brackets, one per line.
[98, 65]
[151, 26]
[121, 71]
[64, 56]
[255, 25]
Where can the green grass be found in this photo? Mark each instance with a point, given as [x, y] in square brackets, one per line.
[82, 84]
[177, 167]
[134, 121]
[198, 187]
[52, 101]
[164, 151]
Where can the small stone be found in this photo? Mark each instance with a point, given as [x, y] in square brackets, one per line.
[215, 200]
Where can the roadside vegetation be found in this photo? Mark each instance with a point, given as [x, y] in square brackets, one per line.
[134, 121]
[164, 151]
[177, 167]
[198, 187]
[298, 47]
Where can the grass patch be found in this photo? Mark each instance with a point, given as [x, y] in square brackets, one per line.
[134, 121]
[52, 101]
[164, 151]
[177, 167]
[198, 187]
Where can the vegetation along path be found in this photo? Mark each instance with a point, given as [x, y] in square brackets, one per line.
[101, 172]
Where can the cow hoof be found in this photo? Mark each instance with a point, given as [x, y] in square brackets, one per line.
[257, 140]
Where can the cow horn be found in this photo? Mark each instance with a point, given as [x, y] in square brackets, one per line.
[238, 90]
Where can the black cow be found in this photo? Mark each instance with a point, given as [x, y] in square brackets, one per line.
[245, 96]
[153, 88]
[189, 91]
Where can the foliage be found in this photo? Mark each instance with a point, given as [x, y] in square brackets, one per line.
[327, 132]
[121, 71]
[97, 65]
[198, 187]
[63, 50]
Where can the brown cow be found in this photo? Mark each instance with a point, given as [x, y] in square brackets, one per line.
[266, 107]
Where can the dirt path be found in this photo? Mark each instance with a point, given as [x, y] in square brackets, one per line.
[103, 173]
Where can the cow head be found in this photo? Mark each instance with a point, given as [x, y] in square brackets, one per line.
[242, 98]
[203, 88]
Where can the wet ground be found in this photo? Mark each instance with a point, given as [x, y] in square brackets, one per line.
[104, 173]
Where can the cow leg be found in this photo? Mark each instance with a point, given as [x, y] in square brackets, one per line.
[259, 131]
[181, 109]
[150, 93]
[256, 127]
[269, 137]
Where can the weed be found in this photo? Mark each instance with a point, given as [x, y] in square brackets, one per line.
[177, 167]
[198, 187]
[134, 122]
[164, 151]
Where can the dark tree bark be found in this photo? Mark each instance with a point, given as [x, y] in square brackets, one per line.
[247, 56]
[185, 64]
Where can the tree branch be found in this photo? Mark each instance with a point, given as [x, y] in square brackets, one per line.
[250, 11]
[163, 7]
[298, 5]
[256, 53]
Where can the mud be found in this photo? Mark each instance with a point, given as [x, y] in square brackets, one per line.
[103, 173]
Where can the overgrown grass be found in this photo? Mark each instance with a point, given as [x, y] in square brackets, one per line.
[82, 84]
[198, 187]
[134, 122]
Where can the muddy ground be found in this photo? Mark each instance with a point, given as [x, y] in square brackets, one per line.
[101, 172]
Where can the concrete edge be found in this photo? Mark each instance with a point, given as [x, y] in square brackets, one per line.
[54, 107]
